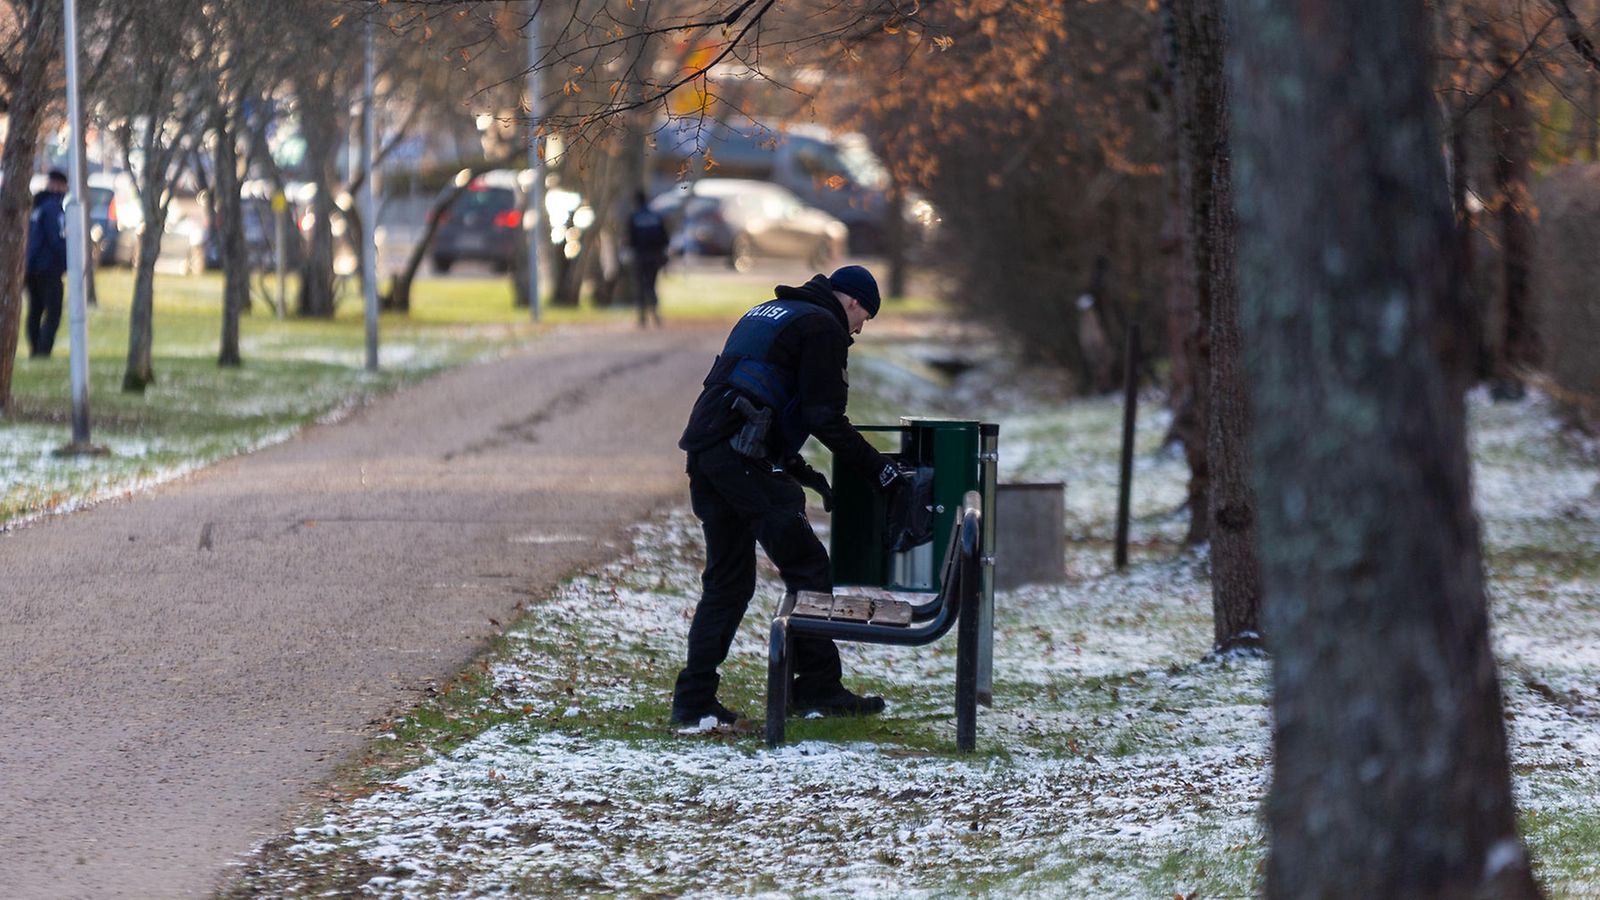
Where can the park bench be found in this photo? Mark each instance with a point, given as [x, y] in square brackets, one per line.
[887, 620]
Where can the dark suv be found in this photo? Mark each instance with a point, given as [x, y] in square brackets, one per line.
[484, 224]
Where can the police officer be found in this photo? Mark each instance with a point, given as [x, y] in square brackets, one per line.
[783, 365]
[648, 238]
[47, 262]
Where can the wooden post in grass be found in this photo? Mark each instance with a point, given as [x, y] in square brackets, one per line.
[1130, 410]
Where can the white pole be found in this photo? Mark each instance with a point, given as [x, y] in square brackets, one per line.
[536, 228]
[77, 242]
[369, 215]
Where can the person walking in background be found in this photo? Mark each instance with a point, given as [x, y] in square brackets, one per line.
[647, 238]
[47, 262]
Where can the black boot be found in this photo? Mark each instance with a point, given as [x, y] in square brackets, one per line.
[838, 702]
[685, 716]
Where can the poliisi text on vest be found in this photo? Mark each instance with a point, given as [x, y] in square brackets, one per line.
[767, 311]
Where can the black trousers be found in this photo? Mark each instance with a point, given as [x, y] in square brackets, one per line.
[645, 270]
[741, 503]
[44, 313]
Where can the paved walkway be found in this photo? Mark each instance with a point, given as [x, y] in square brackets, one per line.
[182, 668]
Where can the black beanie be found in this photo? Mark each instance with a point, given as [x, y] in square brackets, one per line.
[858, 283]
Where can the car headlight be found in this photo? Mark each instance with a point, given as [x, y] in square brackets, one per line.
[96, 233]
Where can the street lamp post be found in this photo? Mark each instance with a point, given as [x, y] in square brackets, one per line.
[77, 245]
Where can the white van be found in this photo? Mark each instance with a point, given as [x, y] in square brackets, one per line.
[838, 175]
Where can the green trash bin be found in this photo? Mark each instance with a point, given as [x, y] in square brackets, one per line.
[956, 457]
[953, 448]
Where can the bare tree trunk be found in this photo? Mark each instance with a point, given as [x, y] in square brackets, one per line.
[1196, 145]
[1178, 287]
[159, 155]
[1462, 346]
[895, 236]
[1590, 117]
[140, 371]
[91, 259]
[1511, 130]
[570, 272]
[235, 255]
[1391, 773]
[1179, 301]
[603, 290]
[321, 134]
[563, 292]
[1097, 343]
[37, 49]
[1235, 570]
[399, 297]
[519, 273]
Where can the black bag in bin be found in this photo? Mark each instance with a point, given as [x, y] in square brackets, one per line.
[911, 512]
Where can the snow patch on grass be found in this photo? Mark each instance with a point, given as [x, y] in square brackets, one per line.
[1119, 761]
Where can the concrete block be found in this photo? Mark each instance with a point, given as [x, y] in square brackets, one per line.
[1030, 534]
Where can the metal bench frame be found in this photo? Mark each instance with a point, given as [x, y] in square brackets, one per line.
[956, 605]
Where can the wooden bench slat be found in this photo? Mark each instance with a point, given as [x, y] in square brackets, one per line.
[852, 609]
[891, 612]
[813, 604]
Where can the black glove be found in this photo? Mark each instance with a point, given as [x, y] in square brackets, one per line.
[894, 476]
[802, 472]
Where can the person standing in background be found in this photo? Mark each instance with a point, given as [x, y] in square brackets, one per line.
[648, 239]
[47, 262]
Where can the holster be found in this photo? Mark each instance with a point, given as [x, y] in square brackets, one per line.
[750, 441]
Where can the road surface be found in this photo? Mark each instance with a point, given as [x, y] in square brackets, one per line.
[184, 667]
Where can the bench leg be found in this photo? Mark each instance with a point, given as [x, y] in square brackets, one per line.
[967, 661]
[779, 665]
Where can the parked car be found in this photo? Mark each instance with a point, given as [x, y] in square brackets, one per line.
[837, 174]
[110, 199]
[484, 224]
[744, 219]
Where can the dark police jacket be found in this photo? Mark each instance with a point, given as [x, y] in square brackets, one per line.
[789, 355]
[47, 236]
[647, 235]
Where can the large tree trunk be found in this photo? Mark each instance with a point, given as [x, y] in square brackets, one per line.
[1391, 770]
[1235, 570]
[1196, 151]
[37, 49]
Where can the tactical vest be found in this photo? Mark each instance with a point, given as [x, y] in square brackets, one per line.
[649, 231]
[744, 366]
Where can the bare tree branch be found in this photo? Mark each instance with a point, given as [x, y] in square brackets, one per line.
[1575, 36]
